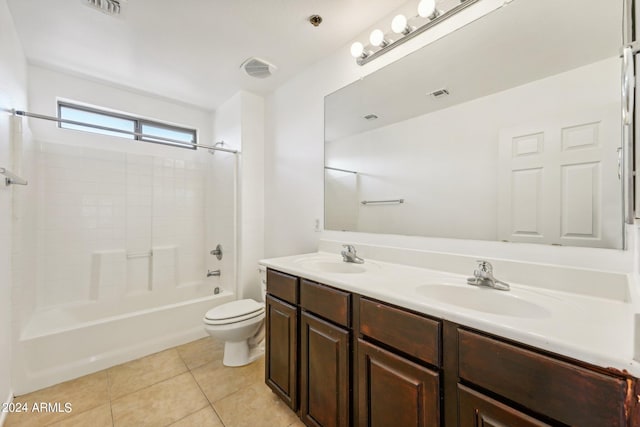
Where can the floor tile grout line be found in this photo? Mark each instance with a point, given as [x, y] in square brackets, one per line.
[188, 415]
[113, 421]
[217, 414]
[191, 368]
[150, 385]
[206, 397]
[108, 401]
[76, 414]
[110, 398]
[180, 356]
[149, 355]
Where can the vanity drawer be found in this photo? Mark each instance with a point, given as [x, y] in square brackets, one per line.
[410, 333]
[332, 304]
[282, 286]
[567, 393]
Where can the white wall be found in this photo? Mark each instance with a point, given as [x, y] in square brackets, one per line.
[295, 154]
[13, 87]
[448, 173]
[222, 228]
[46, 86]
[251, 227]
[239, 122]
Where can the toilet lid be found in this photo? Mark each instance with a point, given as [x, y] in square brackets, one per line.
[230, 311]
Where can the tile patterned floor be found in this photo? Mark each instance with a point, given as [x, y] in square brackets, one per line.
[185, 386]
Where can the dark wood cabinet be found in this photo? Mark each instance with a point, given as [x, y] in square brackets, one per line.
[328, 303]
[555, 388]
[340, 359]
[392, 391]
[283, 286]
[410, 333]
[478, 410]
[281, 349]
[324, 373]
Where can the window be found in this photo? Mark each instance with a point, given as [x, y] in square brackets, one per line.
[133, 127]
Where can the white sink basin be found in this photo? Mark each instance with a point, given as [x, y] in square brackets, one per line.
[486, 300]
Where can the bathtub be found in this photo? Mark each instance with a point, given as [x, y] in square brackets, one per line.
[74, 340]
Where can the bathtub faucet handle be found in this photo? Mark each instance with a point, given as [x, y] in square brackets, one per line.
[213, 273]
[217, 251]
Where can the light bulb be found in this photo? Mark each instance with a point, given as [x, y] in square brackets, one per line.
[377, 38]
[399, 25]
[427, 9]
[357, 49]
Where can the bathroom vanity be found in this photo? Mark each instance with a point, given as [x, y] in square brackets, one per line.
[339, 353]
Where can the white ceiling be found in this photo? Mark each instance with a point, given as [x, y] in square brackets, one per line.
[190, 50]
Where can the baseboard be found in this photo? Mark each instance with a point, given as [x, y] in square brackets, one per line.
[3, 415]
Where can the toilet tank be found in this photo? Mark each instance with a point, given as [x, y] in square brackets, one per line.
[263, 281]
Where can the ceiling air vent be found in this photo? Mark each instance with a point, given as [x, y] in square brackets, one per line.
[259, 68]
[110, 7]
[439, 93]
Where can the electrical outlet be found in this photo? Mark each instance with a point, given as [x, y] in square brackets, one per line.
[316, 227]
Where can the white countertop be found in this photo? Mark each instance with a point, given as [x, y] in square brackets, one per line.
[595, 330]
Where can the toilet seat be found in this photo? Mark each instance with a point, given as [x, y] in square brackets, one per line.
[234, 312]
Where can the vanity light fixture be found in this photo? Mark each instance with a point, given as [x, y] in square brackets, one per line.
[427, 9]
[357, 51]
[429, 13]
[400, 25]
[377, 39]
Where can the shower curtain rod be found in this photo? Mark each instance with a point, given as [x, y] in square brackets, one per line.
[110, 129]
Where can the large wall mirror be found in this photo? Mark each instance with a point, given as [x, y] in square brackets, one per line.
[507, 129]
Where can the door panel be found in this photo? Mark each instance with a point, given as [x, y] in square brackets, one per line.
[558, 181]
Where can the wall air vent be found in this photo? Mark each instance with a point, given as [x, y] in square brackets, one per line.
[259, 68]
[109, 7]
[370, 117]
[439, 93]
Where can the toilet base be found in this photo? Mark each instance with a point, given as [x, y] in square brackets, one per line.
[240, 354]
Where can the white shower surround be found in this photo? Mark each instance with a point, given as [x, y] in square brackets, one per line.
[105, 295]
[115, 237]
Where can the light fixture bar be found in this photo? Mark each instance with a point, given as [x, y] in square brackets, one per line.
[419, 30]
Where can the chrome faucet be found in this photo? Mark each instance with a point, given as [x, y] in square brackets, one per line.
[213, 273]
[483, 276]
[349, 255]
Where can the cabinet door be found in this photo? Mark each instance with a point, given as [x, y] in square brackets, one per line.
[281, 364]
[324, 376]
[392, 391]
[478, 410]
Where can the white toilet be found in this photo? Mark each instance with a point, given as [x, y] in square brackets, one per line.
[240, 324]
